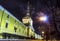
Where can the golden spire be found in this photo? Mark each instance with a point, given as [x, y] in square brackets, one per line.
[28, 9]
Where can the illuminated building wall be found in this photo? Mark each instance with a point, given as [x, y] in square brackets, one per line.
[12, 28]
[10, 24]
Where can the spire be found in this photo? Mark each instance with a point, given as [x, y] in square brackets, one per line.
[28, 9]
[27, 19]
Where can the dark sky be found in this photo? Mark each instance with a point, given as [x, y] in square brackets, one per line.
[18, 8]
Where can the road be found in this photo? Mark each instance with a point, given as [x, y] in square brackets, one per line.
[24, 40]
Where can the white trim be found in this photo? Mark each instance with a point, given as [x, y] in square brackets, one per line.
[1, 7]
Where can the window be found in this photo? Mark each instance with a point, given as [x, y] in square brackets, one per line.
[19, 30]
[6, 25]
[8, 16]
[15, 28]
[15, 21]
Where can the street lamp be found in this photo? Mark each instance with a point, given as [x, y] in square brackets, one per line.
[43, 18]
[43, 33]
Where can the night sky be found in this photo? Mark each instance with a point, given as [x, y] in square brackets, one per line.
[18, 8]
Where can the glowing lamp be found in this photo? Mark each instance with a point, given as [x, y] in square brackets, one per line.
[43, 18]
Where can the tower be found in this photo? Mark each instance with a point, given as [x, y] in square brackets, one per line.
[27, 19]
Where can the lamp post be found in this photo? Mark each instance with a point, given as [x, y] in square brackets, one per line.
[44, 19]
[43, 33]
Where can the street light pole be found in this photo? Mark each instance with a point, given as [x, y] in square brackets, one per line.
[44, 20]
